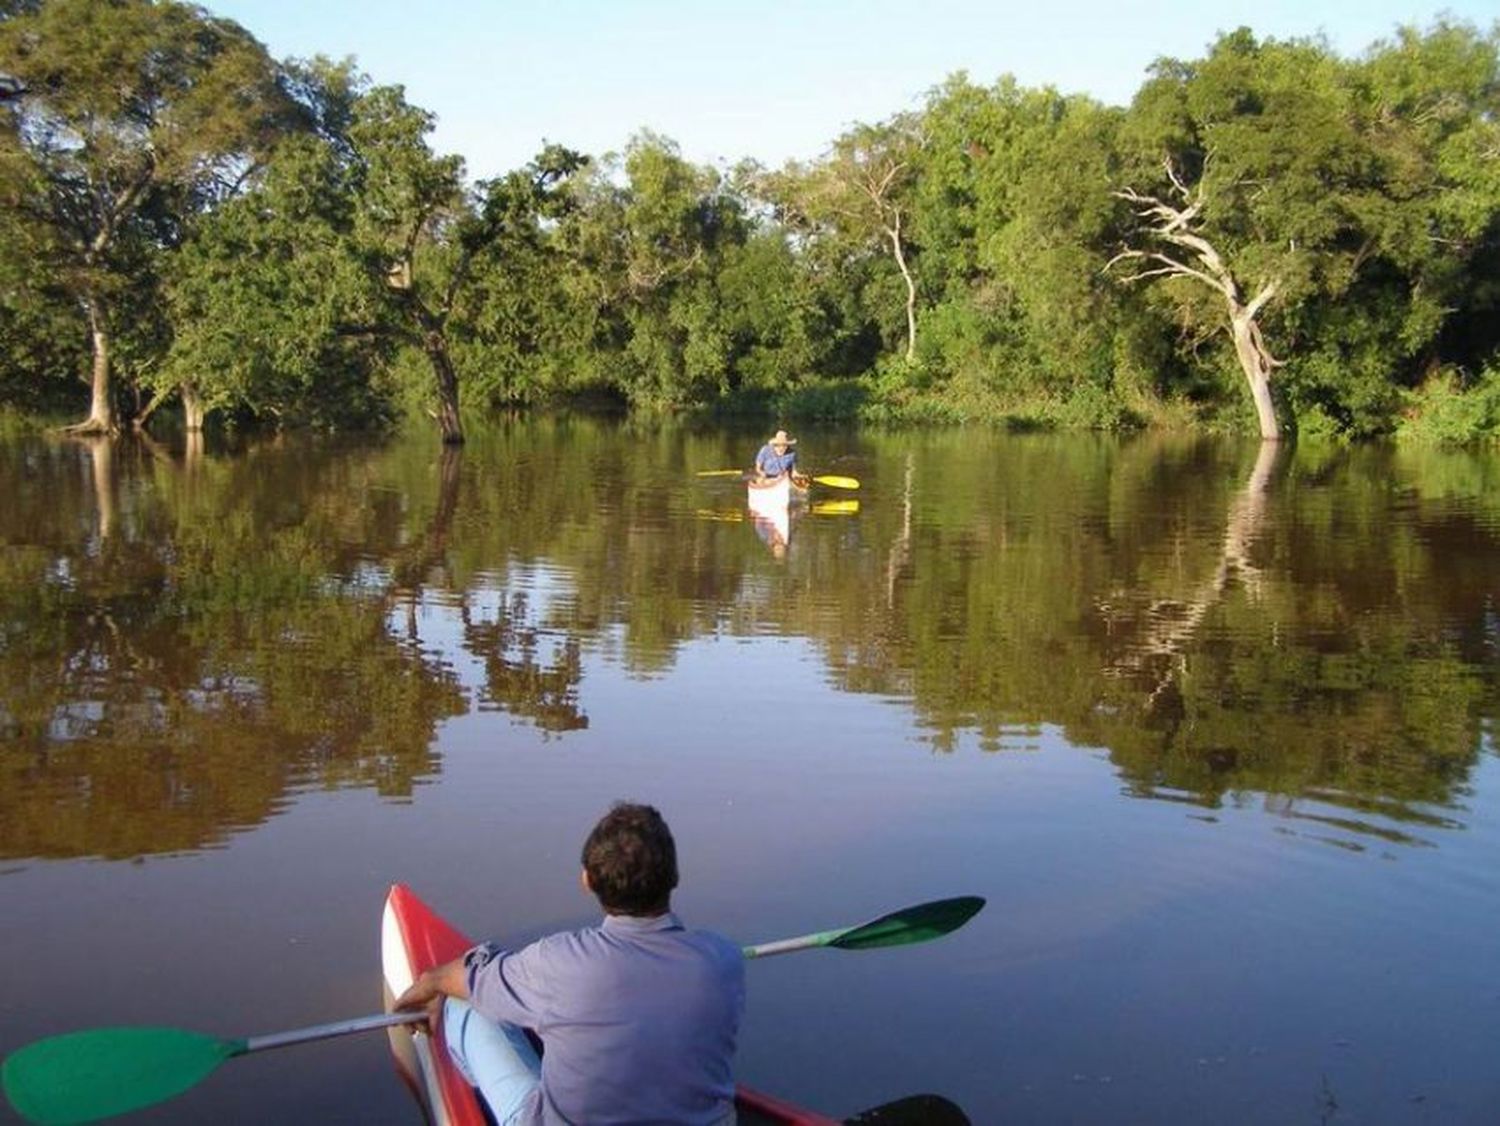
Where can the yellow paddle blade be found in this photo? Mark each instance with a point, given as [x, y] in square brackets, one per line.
[838, 482]
[733, 516]
[720, 473]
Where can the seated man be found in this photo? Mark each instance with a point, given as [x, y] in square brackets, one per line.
[776, 456]
[637, 1017]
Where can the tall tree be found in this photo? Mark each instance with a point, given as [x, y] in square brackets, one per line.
[1337, 203]
[645, 247]
[1186, 252]
[424, 230]
[862, 190]
[132, 113]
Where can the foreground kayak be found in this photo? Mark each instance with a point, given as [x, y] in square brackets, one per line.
[414, 938]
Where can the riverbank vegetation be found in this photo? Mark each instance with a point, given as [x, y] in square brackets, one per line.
[1270, 238]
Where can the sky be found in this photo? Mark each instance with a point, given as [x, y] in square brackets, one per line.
[773, 80]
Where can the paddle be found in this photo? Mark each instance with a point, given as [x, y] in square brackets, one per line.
[833, 481]
[96, 1073]
[914, 1110]
[921, 923]
[100, 1072]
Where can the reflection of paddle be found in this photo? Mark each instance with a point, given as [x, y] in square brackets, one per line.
[832, 481]
[835, 507]
[99, 1072]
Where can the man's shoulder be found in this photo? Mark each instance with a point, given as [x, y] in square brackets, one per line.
[721, 948]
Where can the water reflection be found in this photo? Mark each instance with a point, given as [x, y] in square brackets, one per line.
[186, 639]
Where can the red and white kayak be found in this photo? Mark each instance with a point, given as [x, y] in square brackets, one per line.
[414, 938]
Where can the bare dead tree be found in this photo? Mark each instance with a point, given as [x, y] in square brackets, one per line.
[1175, 224]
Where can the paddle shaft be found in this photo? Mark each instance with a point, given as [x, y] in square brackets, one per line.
[832, 480]
[384, 1020]
[326, 1031]
[787, 945]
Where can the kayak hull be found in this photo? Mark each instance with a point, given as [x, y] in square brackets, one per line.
[414, 938]
[778, 492]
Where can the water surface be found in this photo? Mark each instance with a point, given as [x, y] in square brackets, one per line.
[1211, 727]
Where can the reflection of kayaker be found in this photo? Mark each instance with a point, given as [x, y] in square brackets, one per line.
[773, 531]
[768, 502]
[777, 458]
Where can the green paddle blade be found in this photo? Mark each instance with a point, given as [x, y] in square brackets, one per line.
[83, 1076]
[915, 924]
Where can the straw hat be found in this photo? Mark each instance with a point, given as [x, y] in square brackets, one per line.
[782, 440]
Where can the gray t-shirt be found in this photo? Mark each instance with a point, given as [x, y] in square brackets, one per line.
[638, 1019]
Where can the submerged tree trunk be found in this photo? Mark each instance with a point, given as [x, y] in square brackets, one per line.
[1257, 364]
[436, 348]
[101, 419]
[192, 409]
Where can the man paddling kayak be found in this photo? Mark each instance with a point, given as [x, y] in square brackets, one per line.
[776, 457]
[638, 1016]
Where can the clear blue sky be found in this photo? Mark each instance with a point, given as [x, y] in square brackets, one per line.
[774, 79]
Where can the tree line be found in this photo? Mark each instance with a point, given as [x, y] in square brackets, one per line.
[1272, 238]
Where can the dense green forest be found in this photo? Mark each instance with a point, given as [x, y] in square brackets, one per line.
[1271, 237]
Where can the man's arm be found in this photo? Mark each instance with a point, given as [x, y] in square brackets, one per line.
[451, 979]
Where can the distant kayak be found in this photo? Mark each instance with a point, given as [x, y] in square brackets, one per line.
[413, 938]
[778, 492]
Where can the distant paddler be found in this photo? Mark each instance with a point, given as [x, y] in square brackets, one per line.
[778, 458]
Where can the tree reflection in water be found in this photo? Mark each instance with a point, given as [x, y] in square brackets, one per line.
[186, 643]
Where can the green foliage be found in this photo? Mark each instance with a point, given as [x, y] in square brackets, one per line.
[1445, 410]
[282, 245]
[272, 304]
[133, 117]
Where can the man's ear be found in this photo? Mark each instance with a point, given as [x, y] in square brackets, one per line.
[583, 881]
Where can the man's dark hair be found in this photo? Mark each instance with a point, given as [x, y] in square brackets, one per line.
[631, 861]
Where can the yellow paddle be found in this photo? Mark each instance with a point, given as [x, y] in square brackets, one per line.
[832, 481]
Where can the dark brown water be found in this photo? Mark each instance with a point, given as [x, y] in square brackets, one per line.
[1212, 730]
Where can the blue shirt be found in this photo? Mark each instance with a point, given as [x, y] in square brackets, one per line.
[638, 1019]
[769, 463]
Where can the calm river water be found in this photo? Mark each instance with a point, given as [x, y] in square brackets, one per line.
[1212, 729]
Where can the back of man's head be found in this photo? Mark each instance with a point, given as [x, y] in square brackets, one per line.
[631, 861]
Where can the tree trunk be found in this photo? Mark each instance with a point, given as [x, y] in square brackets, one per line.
[447, 388]
[192, 409]
[101, 419]
[911, 289]
[1257, 365]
